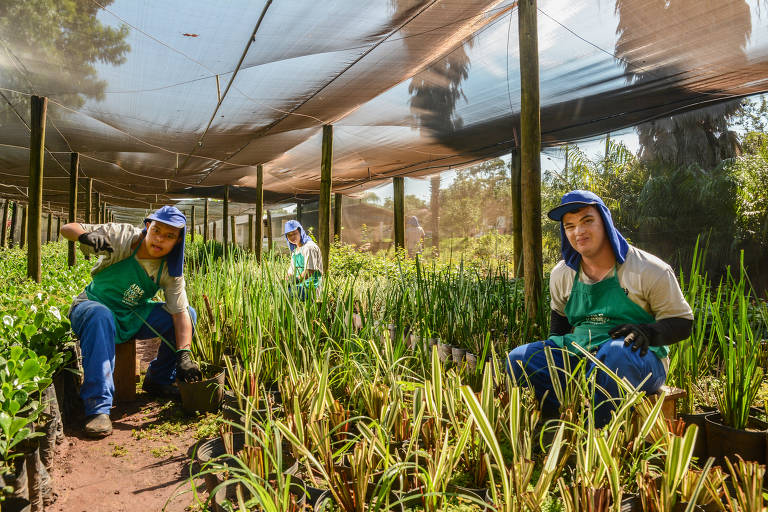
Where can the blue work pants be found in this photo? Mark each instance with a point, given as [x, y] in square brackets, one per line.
[530, 361]
[94, 325]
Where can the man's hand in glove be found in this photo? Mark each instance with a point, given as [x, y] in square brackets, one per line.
[96, 240]
[639, 336]
[186, 369]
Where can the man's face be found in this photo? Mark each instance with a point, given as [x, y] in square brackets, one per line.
[294, 236]
[585, 231]
[161, 238]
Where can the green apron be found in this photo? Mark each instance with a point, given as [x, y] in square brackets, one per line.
[595, 309]
[298, 269]
[127, 290]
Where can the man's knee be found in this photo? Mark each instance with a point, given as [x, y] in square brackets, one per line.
[613, 354]
[95, 315]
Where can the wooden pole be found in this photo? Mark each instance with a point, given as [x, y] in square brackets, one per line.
[225, 219]
[192, 224]
[530, 148]
[4, 230]
[104, 212]
[434, 203]
[299, 209]
[337, 216]
[324, 208]
[50, 227]
[233, 225]
[39, 108]
[14, 219]
[23, 230]
[269, 230]
[517, 212]
[58, 227]
[259, 210]
[399, 205]
[88, 200]
[205, 220]
[214, 230]
[250, 232]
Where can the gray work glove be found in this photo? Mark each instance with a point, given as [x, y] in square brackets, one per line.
[98, 241]
[186, 369]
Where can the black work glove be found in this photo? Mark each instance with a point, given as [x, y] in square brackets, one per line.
[186, 369]
[96, 240]
[639, 336]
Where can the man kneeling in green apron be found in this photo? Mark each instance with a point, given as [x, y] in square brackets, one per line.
[621, 303]
[117, 305]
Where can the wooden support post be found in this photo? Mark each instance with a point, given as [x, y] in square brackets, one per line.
[39, 108]
[124, 375]
[434, 204]
[74, 170]
[214, 231]
[4, 231]
[23, 230]
[14, 220]
[517, 212]
[250, 232]
[338, 211]
[58, 227]
[324, 208]
[399, 204]
[205, 220]
[259, 210]
[192, 224]
[88, 200]
[530, 148]
[225, 219]
[233, 225]
[269, 230]
[104, 219]
[299, 209]
[50, 226]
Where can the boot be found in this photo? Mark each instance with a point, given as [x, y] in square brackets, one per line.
[98, 425]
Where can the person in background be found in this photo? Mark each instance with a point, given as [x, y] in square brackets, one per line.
[620, 303]
[306, 269]
[117, 305]
[414, 236]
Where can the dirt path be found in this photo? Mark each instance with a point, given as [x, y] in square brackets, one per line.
[139, 467]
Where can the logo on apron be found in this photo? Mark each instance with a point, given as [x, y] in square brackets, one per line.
[597, 319]
[132, 295]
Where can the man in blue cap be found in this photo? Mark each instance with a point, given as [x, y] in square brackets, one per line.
[134, 263]
[620, 303]
[306, 269]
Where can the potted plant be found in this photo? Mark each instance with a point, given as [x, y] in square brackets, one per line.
[734, 431]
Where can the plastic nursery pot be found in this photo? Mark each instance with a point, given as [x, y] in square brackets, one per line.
[16, 505]
[471, 360]
[297, 488]
[724, 441]
[205, 395]
[700, 447]
[444, 351]
[457, 354]
[325, 503]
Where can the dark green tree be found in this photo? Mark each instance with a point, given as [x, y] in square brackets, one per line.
[49, 47]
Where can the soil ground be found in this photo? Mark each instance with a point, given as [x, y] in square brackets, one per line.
[143, 466]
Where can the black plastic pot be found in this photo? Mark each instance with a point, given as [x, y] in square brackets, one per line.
[205, 395]
[326, 499]
[297, 488]
[724, 441]
[16, 505]
[700, 447]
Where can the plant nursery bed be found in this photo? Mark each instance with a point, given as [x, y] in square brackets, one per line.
[138, 467]
[143, 465]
